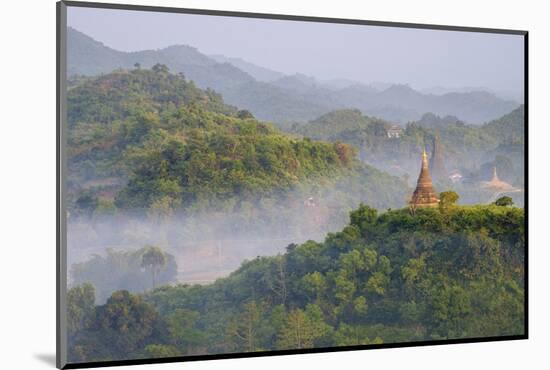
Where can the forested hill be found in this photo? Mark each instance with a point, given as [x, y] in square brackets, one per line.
[453, 272]
[471, 148]
[509, 128]
[351, 126]
[259, 73]
[284, 99]
[151, 140]
[116, 96]
[346, 125]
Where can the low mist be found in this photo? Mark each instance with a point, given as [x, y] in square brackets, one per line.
[207, 245]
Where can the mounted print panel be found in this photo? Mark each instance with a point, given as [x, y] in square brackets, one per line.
[236, 184]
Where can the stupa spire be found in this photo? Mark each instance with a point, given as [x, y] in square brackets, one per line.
[425, 159]
[496, 184]
[495, 176]
[424, 195]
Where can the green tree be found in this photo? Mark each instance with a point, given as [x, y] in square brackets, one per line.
[504, 201]
[153, 259]
[364, 217]
[160, 68]
[124, 323]
[80, 307]
[245, 326]
[448, 199]
[315, 284]
[244, 114]
[353, 335]
[303, 328]
[182, 328]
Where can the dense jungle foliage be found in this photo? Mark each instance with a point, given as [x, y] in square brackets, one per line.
[150, 141]
[448, 272]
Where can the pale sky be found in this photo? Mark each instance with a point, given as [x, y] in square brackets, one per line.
[420, 58]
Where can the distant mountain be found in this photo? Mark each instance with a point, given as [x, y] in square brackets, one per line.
[338, 83]
[401, 103]
[259, 73]
[516, 96]
[297, 83]
[441, 90]
[85, 56]
[285, 99]
[88, 57]
[380, 85]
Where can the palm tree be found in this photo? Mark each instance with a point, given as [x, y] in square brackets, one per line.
[154, 259]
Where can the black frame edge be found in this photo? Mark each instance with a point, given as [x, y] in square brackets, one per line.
[61, 256]
[526, 181]
[183, 359]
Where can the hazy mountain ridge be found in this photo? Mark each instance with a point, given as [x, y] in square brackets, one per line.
[259, 73]
[516, 96]
[287, 98]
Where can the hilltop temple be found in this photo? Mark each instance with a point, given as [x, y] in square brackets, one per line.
[424, 195]
[496, 184]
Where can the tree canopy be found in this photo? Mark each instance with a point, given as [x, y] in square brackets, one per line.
[391, 277]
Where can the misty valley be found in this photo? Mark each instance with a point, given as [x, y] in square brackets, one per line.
[216, 206]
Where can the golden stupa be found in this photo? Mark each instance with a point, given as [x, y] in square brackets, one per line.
[424, 195]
